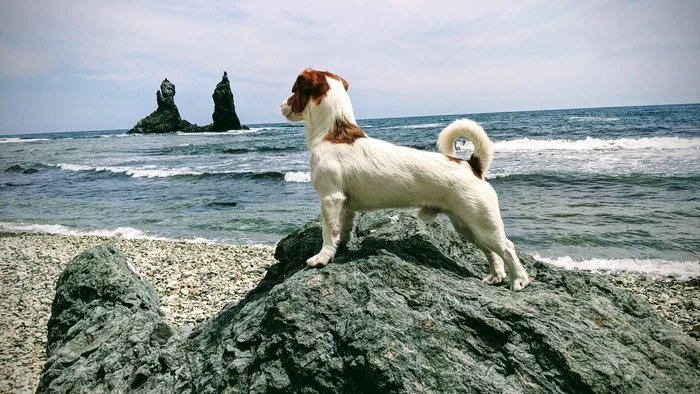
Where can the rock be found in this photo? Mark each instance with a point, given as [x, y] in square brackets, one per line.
[106, 331]
[14, 168]
[401, 310]
[19, 169]
[224, 115]
[166, 118]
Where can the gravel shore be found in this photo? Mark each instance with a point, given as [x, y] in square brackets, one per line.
[194, 281]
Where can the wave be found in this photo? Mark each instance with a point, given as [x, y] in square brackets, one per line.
[298, 177]
[416, 126]
[651, 267]
[527, 144]
[593, 118]
[124, 232]
[17, 140]
[229, 132]
[236, 151]
[215, 149]
[152, 172]
[141, 172]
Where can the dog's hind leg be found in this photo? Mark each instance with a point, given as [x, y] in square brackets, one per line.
[347, 221]
[497, 274]
[494, 238]
[331, 209]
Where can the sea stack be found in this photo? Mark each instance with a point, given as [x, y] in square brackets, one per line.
[224, 115]
[166, 118]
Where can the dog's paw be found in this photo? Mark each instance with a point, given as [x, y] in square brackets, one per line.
[494, 279]
[318, 261]
[519, 283]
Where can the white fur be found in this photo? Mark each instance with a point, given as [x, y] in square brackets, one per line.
[373, 174]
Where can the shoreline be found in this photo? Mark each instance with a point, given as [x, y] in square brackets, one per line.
[194, 281]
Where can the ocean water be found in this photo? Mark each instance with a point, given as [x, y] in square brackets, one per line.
[605, 188]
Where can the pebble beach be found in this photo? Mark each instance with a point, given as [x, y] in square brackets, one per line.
[193, 281]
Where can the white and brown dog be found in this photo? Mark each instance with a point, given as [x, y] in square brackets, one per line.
[352, 172]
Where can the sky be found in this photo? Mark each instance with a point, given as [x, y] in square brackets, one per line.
[75, 65]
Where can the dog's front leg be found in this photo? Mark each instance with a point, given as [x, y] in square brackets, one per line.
[347, 222]
[331, 209]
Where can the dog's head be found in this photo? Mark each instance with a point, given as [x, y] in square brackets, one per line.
[310, 90]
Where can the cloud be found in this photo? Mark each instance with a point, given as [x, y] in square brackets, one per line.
[22, 63]
[448, 52]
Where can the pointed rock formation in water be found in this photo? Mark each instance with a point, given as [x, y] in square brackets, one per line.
[166, 118]
[224, 115]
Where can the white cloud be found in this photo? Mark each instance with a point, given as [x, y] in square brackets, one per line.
[440, 51]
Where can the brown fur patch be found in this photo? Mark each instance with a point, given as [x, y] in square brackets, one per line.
[311, 84]
[344, 132]
[474, 164]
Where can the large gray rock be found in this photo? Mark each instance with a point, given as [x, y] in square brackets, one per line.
[166, 118]
[402, 310]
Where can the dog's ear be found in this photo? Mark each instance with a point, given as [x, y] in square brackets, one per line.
[309, 84]
[314, 82]
[346, 85]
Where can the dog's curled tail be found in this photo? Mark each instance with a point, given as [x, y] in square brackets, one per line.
[481, 158]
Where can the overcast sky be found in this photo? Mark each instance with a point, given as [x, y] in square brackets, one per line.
[93, 65]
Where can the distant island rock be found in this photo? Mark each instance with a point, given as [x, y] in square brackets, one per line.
[166, 119]
[224, 115]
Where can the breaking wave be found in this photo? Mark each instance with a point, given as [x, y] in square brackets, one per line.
[652, 267]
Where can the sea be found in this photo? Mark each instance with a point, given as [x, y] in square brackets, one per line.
[606, 189]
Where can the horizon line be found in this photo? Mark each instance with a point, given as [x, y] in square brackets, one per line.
[394, 117]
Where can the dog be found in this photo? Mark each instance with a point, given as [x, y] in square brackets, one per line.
[352, 172]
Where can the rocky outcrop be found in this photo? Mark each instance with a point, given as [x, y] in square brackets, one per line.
[19, 169]
[401, 310]
[224, 115]
[166, 118]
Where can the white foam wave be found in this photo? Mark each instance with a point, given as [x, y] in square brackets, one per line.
[220, 133]
[16, 140]
[124, 232]
[658, 143]
[593, 118]
[651, 267]
[136, 172]
[297, 176]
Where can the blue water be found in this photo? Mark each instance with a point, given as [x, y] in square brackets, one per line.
[607, 183]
